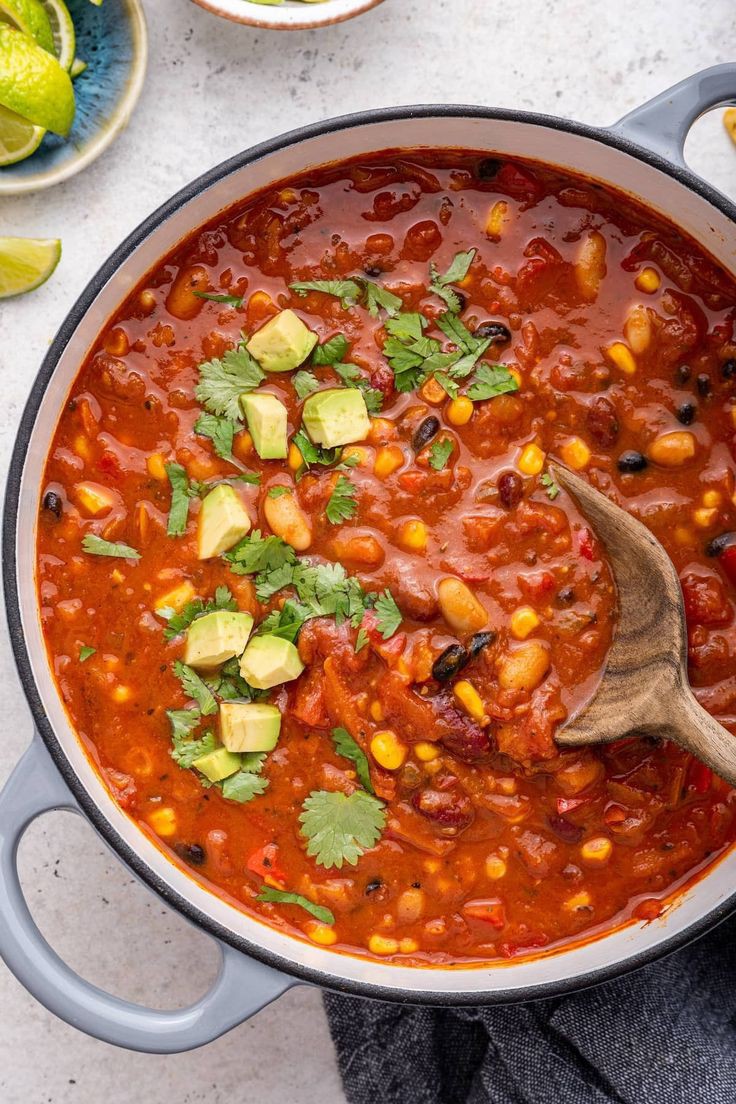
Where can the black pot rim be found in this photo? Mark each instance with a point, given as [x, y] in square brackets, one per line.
[127, 854]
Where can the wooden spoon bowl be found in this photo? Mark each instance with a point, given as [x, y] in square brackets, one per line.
[645, 687]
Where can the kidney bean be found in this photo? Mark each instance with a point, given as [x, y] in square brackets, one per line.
[448, 810]
[603, 423]
[565, 829]
[425, 431]
[510, 489]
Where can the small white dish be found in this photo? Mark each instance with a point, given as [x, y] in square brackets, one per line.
[290, 16]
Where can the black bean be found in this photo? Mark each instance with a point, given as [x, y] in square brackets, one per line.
[565, 829]
[374, 271]
[52, 502]
[632, 461]
[704, 385]
[450, 662]
[495, 330]
[193, 853]
[488, 168]
[510, 489]
[683, 373]
[373, 886]
[425, 431]
[462, 302]
[479, 641]
[720, 544]
[566, 595]
[728, 369]
[686, 412]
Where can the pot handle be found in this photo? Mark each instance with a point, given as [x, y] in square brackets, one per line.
[242, 987]
[662, 124]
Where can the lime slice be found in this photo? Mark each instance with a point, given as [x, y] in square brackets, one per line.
[78, 67]
[30, 17]
[26, 263]
[62, 29]
[18, 138]
[33, 84]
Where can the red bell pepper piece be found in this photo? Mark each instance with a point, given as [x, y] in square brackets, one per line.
[264, 862]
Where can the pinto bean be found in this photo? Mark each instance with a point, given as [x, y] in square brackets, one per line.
[288, 521]
[524, 667]
[460, 607]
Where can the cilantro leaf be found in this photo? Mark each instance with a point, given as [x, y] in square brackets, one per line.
[256, 553]
[457, 272]
[332, 352]
[552, 489]
[440, 453]
[448, 384]
[341, 827]
[200, 490]
[243, 786]
[377, 297]
[220, 431]
[346, 746]
[85, 652]
[277, 491]
[183, 722]
[286, 622]
[281, 897]
[342, 505]
[223, 381]
[412, 356]
[179, 509]
[349, 291]
[195, 688]
[231, 300]
[178, 622]
[388, 614]
[407, 326]
[314, 454]
[304, 384]
[351, 377]
[491, 380]
[96, 546]
[185, 750]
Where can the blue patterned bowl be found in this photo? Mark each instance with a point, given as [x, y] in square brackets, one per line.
[113, 40]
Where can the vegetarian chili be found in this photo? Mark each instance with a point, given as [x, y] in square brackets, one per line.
[315, 605]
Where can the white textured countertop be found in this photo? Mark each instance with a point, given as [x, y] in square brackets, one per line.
[213, 89]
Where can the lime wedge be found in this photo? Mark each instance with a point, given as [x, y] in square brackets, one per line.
[33, 84]
[62, 29]
[18, 138]
[78, 67]
[30, 17]
[26, 263]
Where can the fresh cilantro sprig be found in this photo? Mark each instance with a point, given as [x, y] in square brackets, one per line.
[388, 614]
[351, 292]
[339, 827]
[177, 623]
[342, 505]
[346, 746]
[256, 553]
[85, 653]
[223, 380]
[195, 688]
[304, 383]
[179, 509]
[440, 453]
[220, 431]
[491, 380]
[351, 376]
[332, 351]
[243, 786]
[456, 273]
[548, 482]
[230, 300]
[282, 897]
[315, 454]
[97, 546]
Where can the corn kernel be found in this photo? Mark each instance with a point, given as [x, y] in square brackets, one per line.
[322, 934]
[704, 518]
[575, 453]
[177, 598]
[524, 620]
[116, 576]
[413, 535]
[496, 218]
[382, 945]
[712, 498]
[408, 946]
[495, 868]
[648, 280]
[356, 453]
[621, 356]
[426, 751]
[596, 851]
[81, 446]
[377, 711]
[432, 391]
[434, 767]
[470, 699]
[460, 411]
[388, 750]
[94, 499]
[388, 459]
[531, 460]
[163, 821]
[684, 536]
[579, 901]
[296, 459]
[122, 694]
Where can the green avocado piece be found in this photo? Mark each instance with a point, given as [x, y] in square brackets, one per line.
[249, 726]
[337, 416]
[269, 661]
[216, 637]
[217, 764]
[266, 416]
[223, 521]
[283, 343]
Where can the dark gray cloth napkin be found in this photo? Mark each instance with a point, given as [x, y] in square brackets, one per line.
[665, 1034]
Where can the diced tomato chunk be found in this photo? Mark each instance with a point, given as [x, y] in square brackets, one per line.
[491, 912]
[264, 863]
[586, 544]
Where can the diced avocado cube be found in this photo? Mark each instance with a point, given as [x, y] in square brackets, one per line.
[217, 764]
[283, 343]
[223, 521]
[266, 416]
[216, 637]
[269, 661]
[249, 726]
[337, 416]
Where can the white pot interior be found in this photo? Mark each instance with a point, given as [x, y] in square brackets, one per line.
[563, 149]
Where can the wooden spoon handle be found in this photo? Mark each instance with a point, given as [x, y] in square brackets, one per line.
[693, 728]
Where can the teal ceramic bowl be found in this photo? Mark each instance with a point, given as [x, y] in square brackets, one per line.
[113, 40]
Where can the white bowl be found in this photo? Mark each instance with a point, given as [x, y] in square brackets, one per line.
[290, 16]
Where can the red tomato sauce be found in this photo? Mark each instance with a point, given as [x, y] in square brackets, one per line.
[616, 333]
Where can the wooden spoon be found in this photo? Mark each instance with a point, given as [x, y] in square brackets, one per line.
[644, 687]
